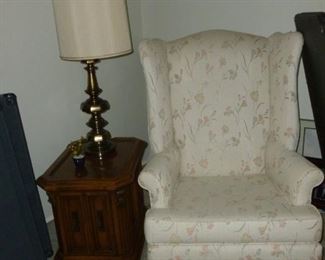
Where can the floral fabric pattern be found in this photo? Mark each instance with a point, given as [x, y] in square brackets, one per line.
[231, 209]
[220, 102]
[160, 176]
[154, 59]
[292, 173]
[283, 66]
[267, 251]
[225, 182]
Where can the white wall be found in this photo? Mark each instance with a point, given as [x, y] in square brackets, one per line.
[50, 90]
[169, 19]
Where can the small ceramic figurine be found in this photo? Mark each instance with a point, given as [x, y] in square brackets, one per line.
[77, 151]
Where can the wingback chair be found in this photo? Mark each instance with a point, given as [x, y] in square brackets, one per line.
[225, 182]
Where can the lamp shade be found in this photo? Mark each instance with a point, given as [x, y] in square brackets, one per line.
[92, 29]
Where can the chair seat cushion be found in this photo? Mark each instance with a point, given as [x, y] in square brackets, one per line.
[231, 209]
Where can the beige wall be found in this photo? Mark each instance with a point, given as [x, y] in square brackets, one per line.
[50, 90]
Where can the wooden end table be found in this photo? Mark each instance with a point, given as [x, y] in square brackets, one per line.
[98, 210]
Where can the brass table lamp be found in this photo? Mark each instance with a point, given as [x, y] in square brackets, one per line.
[87, 31]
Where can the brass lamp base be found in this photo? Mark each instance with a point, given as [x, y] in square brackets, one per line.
[98, 139]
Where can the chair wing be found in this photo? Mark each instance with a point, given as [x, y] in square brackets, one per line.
[154, 61]
[285, 50]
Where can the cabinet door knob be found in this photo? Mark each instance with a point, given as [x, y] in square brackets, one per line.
[120, 198]
[75, 221]
[100, 220]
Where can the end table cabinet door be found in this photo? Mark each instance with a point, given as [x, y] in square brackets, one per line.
[72, 218]
[87, 224]
[100, 210]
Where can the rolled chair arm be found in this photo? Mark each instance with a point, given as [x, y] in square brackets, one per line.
[292, 173]
[160, 176]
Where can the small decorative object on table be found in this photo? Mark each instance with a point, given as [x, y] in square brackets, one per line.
[77, 150]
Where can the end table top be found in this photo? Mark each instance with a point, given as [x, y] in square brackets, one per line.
[110, 173]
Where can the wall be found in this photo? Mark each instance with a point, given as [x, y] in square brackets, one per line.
[50, 90]
[169, 19]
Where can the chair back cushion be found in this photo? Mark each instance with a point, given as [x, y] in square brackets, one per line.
[219, 87]
[222, 97]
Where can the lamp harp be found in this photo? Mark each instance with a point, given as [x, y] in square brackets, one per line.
[98, 139]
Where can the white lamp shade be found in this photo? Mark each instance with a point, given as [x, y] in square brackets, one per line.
[92, 29]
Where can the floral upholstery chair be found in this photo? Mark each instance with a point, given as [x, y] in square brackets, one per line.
[225, 182]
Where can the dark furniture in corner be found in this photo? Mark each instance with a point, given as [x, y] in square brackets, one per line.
[312, 26]
[23, 231]
[98, 210]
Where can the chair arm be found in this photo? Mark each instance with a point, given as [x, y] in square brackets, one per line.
[159, 177]
[292, 173]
